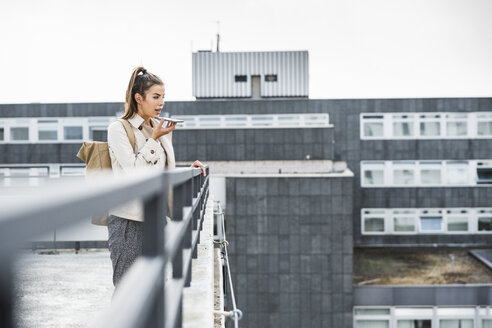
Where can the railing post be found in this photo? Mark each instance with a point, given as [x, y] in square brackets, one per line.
[187, 201]
[6, 294]
[153, 245]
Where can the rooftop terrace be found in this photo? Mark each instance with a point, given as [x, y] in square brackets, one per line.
[418, 267]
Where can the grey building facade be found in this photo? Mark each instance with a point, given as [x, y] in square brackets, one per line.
[311, 284]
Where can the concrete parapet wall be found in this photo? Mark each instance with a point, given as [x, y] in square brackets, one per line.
[198, 299]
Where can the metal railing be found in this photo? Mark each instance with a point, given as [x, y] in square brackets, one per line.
[235, 314]
[143, 298]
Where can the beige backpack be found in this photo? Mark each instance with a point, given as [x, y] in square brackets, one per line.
[95, 154]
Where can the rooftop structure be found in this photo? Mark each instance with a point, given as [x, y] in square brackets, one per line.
[253, 75]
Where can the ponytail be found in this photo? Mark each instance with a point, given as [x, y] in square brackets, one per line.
[140, 82]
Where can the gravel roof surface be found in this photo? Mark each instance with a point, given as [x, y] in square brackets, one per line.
[62, 290]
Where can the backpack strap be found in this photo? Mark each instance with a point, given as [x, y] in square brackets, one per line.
[129, 131]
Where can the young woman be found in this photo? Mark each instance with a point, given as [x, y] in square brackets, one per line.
[153, 150]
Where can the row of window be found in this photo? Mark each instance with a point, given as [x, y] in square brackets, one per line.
[425, 173]
[22, 175]
[69, 129]
[437, 317]
[76, 129]
[244, 78]
[254, 121]
[426, 125]
[405, 221]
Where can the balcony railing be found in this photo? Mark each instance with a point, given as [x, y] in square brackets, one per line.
[143, 298]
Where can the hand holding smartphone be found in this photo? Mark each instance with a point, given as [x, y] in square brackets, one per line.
[174, 120]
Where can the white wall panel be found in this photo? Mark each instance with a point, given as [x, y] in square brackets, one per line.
[214, 73]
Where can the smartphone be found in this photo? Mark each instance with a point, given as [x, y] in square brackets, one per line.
[174, 120]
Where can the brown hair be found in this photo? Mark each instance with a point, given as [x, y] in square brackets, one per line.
[139, 83]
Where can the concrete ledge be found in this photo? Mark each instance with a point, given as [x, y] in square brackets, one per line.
[483, 255]
[198, 299]
[438, 295]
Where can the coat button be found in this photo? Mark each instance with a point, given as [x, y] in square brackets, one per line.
[152, 151]
[146, 140]
[155, 162]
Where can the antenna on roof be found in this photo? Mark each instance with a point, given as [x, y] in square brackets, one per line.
[218, 36]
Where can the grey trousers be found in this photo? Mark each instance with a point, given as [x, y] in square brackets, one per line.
[125, 244]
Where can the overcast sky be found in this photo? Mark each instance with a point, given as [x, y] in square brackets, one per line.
[84, 51]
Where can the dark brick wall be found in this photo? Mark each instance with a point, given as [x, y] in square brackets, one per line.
[291, 250]
[253, 144]
[39, 153]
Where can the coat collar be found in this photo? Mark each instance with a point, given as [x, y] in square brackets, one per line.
[136, 121]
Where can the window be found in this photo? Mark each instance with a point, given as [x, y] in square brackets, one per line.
[371, 311]
[430, 125]
[271, 78]
[241, 78]
[72, 133]
[98, 128]
[456, 323]
[374, 224]
[456, 125]
[457, 223]
[262, 120]
[404, 221]
[484, 124]
[457, 173]
[425, 173]
[373, 125]
[372, 324]
[403, 173]
[2, 135]
[431, 223]
[426, 125]
[47, 130]
[72, 171]
[487, 323]
[430, 173]
[373, 174]
[485, 223]
[372, 317]
[432, 220]
[484, 172]
[404, 224]
[414, 323]
[19, 134]
[403, 125]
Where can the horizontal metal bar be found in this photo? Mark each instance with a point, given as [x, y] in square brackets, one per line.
[43, 209]
[125, 314]
[34, 211]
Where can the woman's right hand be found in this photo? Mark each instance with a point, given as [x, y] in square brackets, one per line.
[159, 131]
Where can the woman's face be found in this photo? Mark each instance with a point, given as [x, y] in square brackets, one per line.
[152, 104]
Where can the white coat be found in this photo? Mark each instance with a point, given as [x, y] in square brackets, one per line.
[147, 153]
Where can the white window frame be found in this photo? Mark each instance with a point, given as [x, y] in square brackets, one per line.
[388, 169]
[387, 119]
[372, 317]
[38, 125]
[365, 216]
[428, 118]
[404, 118]
[472, 214]
[33, 126]
[373, 118]
[480, 215]
[422, 214]
[480, 313]
[391, 218]
[257, 121]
